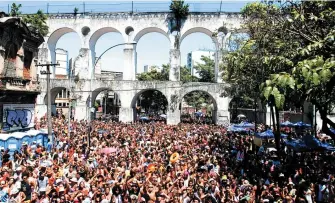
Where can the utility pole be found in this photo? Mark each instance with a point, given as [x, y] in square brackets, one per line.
[48, 73]
[70, 104]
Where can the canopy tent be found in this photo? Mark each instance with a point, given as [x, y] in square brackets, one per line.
[241, 116]
[287, 124]
[268, 134]
[237, 129]
[244, 125]
[144, 118]
[308, 143]
[302, 124]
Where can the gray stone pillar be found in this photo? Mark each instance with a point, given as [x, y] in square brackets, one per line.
[126, 114]
[173, 117]
[82, 64]
[81, 111]
[129, 63]
[174, 65]
[222, 117]
[40, 110]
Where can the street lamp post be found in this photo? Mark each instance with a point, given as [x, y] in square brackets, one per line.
[91, 84]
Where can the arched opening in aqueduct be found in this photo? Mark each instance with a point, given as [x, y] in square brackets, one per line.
[68, 40]
[194, 43]
[106, 104]
[152, 48]
[198, 106]
[59, 100]
[100, 41]
[149, 103]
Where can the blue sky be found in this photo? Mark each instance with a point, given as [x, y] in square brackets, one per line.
[152, 48]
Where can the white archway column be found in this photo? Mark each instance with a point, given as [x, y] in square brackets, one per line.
[220, 46]
[40, 107]
[43, 57]
[126, 112]
[81, 111]
[222, 114]
[173, 111]
[83, 63]
[129, 62]
[174, 74]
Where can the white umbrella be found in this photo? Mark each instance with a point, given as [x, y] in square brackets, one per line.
[163, 116]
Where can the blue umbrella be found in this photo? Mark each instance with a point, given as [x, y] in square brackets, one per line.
[144, 118]
[244, 125]
[302, 124]
[332, 130]
[287, 124]
[268, 134]
[236, 129]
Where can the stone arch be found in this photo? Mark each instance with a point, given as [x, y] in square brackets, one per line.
[54, 91]
[54, 37]
[147, 30]
[98, 33]
[201, 30]
[97, 91]
[138, 94]
[52, 42]
[215, 106]
[208, 93]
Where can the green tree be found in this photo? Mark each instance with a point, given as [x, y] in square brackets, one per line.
[15, 10]
[37, 22]
[206, 69]
[292, 46]
[312, 76]
[186, 75]
[180, 12]
[155, 74]
[197, 99]
[259, 56]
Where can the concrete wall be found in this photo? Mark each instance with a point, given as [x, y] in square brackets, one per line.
[129, 91]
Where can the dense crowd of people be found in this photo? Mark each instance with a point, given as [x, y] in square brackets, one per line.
[155, 162]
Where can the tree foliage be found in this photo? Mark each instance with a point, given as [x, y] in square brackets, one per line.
[180, 12]
[195, 99]
[36, 21]
[15, 10]
[206, 69]
[289, 57]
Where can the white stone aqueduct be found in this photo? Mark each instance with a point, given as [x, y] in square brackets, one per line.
[132, 27]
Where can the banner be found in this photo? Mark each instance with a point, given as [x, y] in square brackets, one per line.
[18, 116]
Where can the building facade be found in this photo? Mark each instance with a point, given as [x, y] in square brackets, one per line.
[18, 74]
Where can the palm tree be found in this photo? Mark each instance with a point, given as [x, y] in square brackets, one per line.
[38, 22]
[75, 11]
[180, 11]
[15, 10]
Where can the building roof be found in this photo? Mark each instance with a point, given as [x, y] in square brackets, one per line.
[28, 33]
